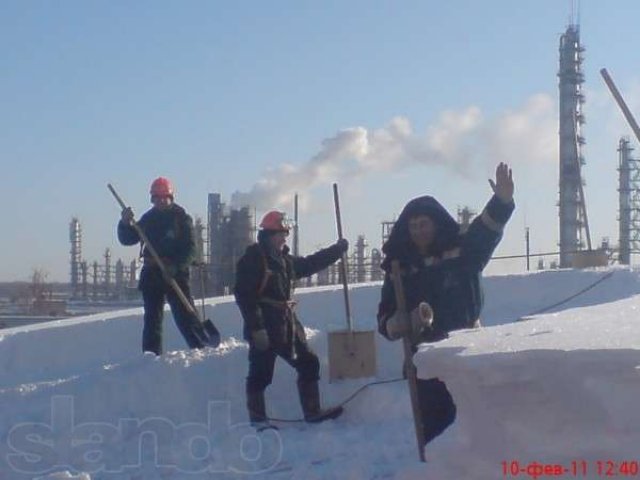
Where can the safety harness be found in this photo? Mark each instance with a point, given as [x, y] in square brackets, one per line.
[287, 306]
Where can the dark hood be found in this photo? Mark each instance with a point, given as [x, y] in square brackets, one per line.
[399, 246]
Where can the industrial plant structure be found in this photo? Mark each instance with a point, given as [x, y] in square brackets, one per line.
[629, 197]
[231, 230]
[574, 225]
[220, 244]
[98, 281]
[629, 182]
[227, 232]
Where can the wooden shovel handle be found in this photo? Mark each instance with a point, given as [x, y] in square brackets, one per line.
[336, 203]
[343, 261]
[410, 369]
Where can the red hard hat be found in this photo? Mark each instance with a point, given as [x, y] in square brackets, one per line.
[275, 221]
[161, 187]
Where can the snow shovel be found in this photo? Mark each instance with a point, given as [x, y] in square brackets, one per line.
[352, 354]
[409, 367]
[210, 332]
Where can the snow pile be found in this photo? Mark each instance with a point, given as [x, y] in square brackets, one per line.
[555, 390]
[78, 400]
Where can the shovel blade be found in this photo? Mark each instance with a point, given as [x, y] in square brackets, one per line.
[352, 354]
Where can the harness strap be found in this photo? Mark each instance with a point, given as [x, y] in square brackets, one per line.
[283, 304]
[266, 276]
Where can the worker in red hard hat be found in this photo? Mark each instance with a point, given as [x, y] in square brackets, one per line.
[161, 187]
[275, 221]
[263, 290]
[169, 229]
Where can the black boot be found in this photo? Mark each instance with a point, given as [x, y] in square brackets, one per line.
[257, 411]
[310, 401]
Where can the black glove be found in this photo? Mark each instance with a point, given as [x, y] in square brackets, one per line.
[343, 245]
[127, 216]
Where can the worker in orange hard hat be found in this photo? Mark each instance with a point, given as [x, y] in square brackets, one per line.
[264, 286]
[169, 229]
[161, 187]
[275, 221]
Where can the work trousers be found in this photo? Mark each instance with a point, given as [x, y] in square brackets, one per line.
[262, 364]
[154, 293]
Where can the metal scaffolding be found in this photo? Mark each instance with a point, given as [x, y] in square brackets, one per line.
[230, 233]
[75, 237]
[629, 202]
[465, 215]
[572, 206]
[106, 284]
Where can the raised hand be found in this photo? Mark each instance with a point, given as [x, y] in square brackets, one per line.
[127, 215]
[503, 186]
[343, 244]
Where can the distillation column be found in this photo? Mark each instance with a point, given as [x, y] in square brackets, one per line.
[629, 202]
[75, 236]
[572, 209]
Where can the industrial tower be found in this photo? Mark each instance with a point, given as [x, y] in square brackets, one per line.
[75, 237]
[103, 276]
[629, 197]
[360, 255]
[572, 207]
[229, 233]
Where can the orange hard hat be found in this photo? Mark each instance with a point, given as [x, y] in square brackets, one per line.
[275, 221]
[161, 187]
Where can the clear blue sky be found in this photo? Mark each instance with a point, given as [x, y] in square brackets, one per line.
[215, 95]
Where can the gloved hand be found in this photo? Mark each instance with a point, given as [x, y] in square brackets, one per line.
[420, 318]
[260, 339]
[343, 244]
[397, 326]
[127, 216]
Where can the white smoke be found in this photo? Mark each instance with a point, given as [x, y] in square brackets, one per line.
[528, 135]
[455, 142]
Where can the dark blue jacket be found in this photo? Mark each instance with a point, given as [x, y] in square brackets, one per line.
[170, 232]
[450, 279]
[264, 274]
